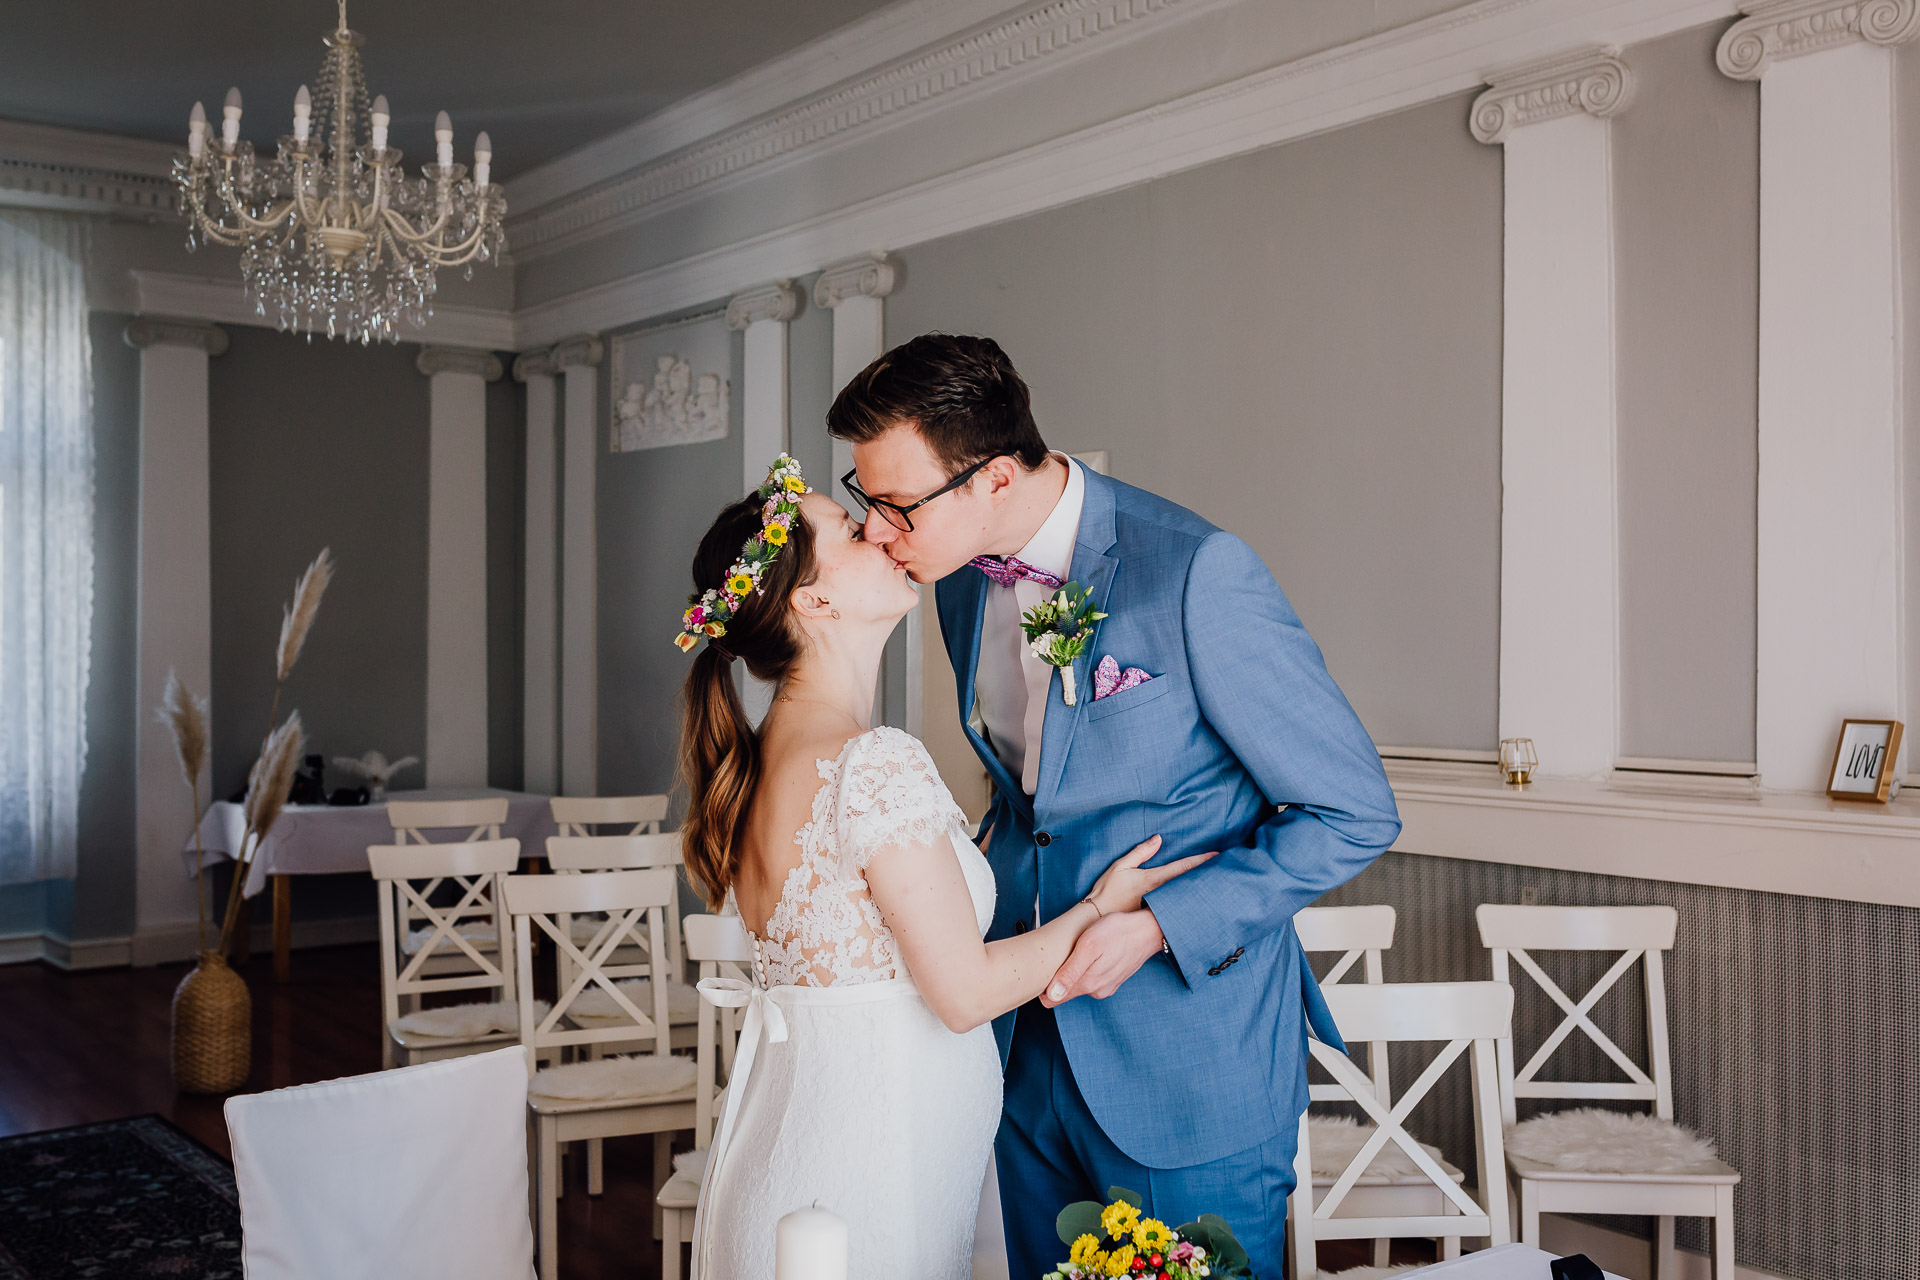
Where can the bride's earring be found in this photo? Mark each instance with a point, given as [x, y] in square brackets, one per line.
[836, 613]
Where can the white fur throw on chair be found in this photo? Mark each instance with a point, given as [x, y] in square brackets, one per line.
[611, 1079]
[1336, 1140]
[1591, 1140]
[683, 1002]
[467, 1021]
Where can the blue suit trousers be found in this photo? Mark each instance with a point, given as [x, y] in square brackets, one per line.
[1051, 1152]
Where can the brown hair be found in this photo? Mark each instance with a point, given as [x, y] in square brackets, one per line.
[961, 393]
[719, 751]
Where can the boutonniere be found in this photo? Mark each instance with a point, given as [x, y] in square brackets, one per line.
[1058, 629]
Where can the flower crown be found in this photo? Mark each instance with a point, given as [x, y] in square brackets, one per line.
[709, 613]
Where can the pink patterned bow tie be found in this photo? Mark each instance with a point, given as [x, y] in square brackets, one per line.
[1009, 570]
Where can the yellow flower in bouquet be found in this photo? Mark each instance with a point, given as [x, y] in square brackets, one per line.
[1120, 1218]
[1083, 1252]
[1120, 1261]
[1152, 1235]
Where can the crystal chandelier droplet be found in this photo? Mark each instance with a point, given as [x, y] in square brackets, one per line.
[333, 236]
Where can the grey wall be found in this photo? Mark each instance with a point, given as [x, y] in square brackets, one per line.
[654, 506]
[98, 903]
[1906, 83]
[506, 577]
[1303, 345]
[1687, 172]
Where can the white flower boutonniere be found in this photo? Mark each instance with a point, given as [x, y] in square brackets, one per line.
[1058, 629]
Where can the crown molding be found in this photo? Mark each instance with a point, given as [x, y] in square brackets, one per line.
[538, 363]
[1420, 62]
[224, 299]
[480, 364]
[164, 331]
[1781, 29]
[1035, 38]
[582, 351]
[43, 166]
[871, 275]
[776, 301]
[1593, 80]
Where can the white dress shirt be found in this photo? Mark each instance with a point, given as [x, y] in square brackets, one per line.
[1011, 684]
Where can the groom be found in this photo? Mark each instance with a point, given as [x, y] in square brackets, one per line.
[1184, 1077]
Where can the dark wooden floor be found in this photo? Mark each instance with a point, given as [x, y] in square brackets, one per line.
[76, 1048]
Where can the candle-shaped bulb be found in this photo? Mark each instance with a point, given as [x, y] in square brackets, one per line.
[443, 139]
[230, 125]
[382, 117]
[197, 130]
[482, 159]
[302, 114]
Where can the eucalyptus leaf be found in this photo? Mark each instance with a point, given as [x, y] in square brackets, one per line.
[1081, 1218]
[1133, 1198]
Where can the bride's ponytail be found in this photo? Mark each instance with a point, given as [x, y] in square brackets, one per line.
[719, 750]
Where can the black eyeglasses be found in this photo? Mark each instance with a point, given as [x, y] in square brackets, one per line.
[900, 516]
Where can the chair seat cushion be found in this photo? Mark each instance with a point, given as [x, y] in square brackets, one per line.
[1336, 1140]
[594, 1006]
[1593, 1140]
[683, 1188]
[482, 935]
[462, 1022]
[642, 1077]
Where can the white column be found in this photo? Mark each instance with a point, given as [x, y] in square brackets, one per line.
[175, 616]
[1558, 559]
[579, 358]
[1829, 584]
[540, 696]
[764, 419]
[855, 291]
[457, 564]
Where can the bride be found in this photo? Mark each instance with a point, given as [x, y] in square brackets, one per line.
[868, 1083]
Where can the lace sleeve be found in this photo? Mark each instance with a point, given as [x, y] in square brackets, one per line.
[891, 795]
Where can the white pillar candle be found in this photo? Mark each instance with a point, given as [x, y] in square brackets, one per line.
[810, 1244]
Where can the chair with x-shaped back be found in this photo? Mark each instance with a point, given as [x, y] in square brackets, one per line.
[1577, 1161]
[422, 822]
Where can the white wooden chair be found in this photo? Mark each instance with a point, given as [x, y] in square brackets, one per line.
[480, 818]
[646, 1093]
[408, 876]
[1471, 1017]
[583, 815]
[1670, 1180]
[720, 946]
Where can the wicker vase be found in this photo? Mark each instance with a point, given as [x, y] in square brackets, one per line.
[212, 1028]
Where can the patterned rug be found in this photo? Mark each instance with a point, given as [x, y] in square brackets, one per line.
[128, 1198]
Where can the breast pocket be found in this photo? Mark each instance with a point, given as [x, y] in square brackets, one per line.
[1138, 696]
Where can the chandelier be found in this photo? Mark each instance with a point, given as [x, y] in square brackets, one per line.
[333, 235]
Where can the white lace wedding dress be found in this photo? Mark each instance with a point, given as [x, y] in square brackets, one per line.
[847, 1091]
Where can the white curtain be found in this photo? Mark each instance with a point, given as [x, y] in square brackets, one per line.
[46, 540]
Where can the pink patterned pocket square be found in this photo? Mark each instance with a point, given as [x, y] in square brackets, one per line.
[1108, 679]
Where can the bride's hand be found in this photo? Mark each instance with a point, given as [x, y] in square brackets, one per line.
[1122, 886]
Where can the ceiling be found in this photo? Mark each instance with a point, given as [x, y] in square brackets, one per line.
[542, 78]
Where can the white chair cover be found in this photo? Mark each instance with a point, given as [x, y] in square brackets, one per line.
[421, 1171]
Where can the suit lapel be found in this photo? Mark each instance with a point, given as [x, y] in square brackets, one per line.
[1094, 569]
[971, 614]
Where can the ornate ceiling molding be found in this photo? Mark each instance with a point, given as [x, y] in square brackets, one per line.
[871, 275]
[583, 351]
[1594, 81]
[1041, 34]
[481, 364]
[161, 331]
[538, 363]
[47, 167]
[1780, 29]
[776, 301]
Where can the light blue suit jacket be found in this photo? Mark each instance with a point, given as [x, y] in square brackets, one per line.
[1240, 743]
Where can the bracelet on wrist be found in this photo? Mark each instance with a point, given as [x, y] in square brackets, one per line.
[1098, 914]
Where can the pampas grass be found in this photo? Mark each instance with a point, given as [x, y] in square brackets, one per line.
[267, 788]
[298, 617]
[186, 718]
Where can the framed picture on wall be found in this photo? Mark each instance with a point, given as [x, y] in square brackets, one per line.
[1864, 760]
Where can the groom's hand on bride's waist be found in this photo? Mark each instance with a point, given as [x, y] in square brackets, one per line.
[1110, 951]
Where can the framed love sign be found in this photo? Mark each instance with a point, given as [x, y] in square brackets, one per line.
[1864, 760]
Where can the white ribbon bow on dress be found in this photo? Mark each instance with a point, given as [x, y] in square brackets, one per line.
[762, 1014]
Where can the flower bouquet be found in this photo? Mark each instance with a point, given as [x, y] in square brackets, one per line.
[1113, 1242]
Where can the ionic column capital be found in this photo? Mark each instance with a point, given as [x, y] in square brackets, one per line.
[778, 300]
[871, 275]
[159, 331]
[1774, 30]
[1595, 81]
[538, 363]
[482, 364]
[583, 351]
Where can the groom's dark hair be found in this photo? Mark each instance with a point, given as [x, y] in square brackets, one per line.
[961, 393]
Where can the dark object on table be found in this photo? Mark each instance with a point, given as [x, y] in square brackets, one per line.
[310, 783]
[1577, 1266]
[347, 797]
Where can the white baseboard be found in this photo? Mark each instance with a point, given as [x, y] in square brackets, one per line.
[168, 944]
[1626, 1255]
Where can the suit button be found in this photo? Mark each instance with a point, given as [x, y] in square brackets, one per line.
[1214, 972]
[1042, 839]
[1019, 927]
[1238, 952]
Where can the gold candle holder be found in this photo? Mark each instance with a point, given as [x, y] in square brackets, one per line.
[1518, 760]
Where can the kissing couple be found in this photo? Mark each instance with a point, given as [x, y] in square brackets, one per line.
[1105, 990]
